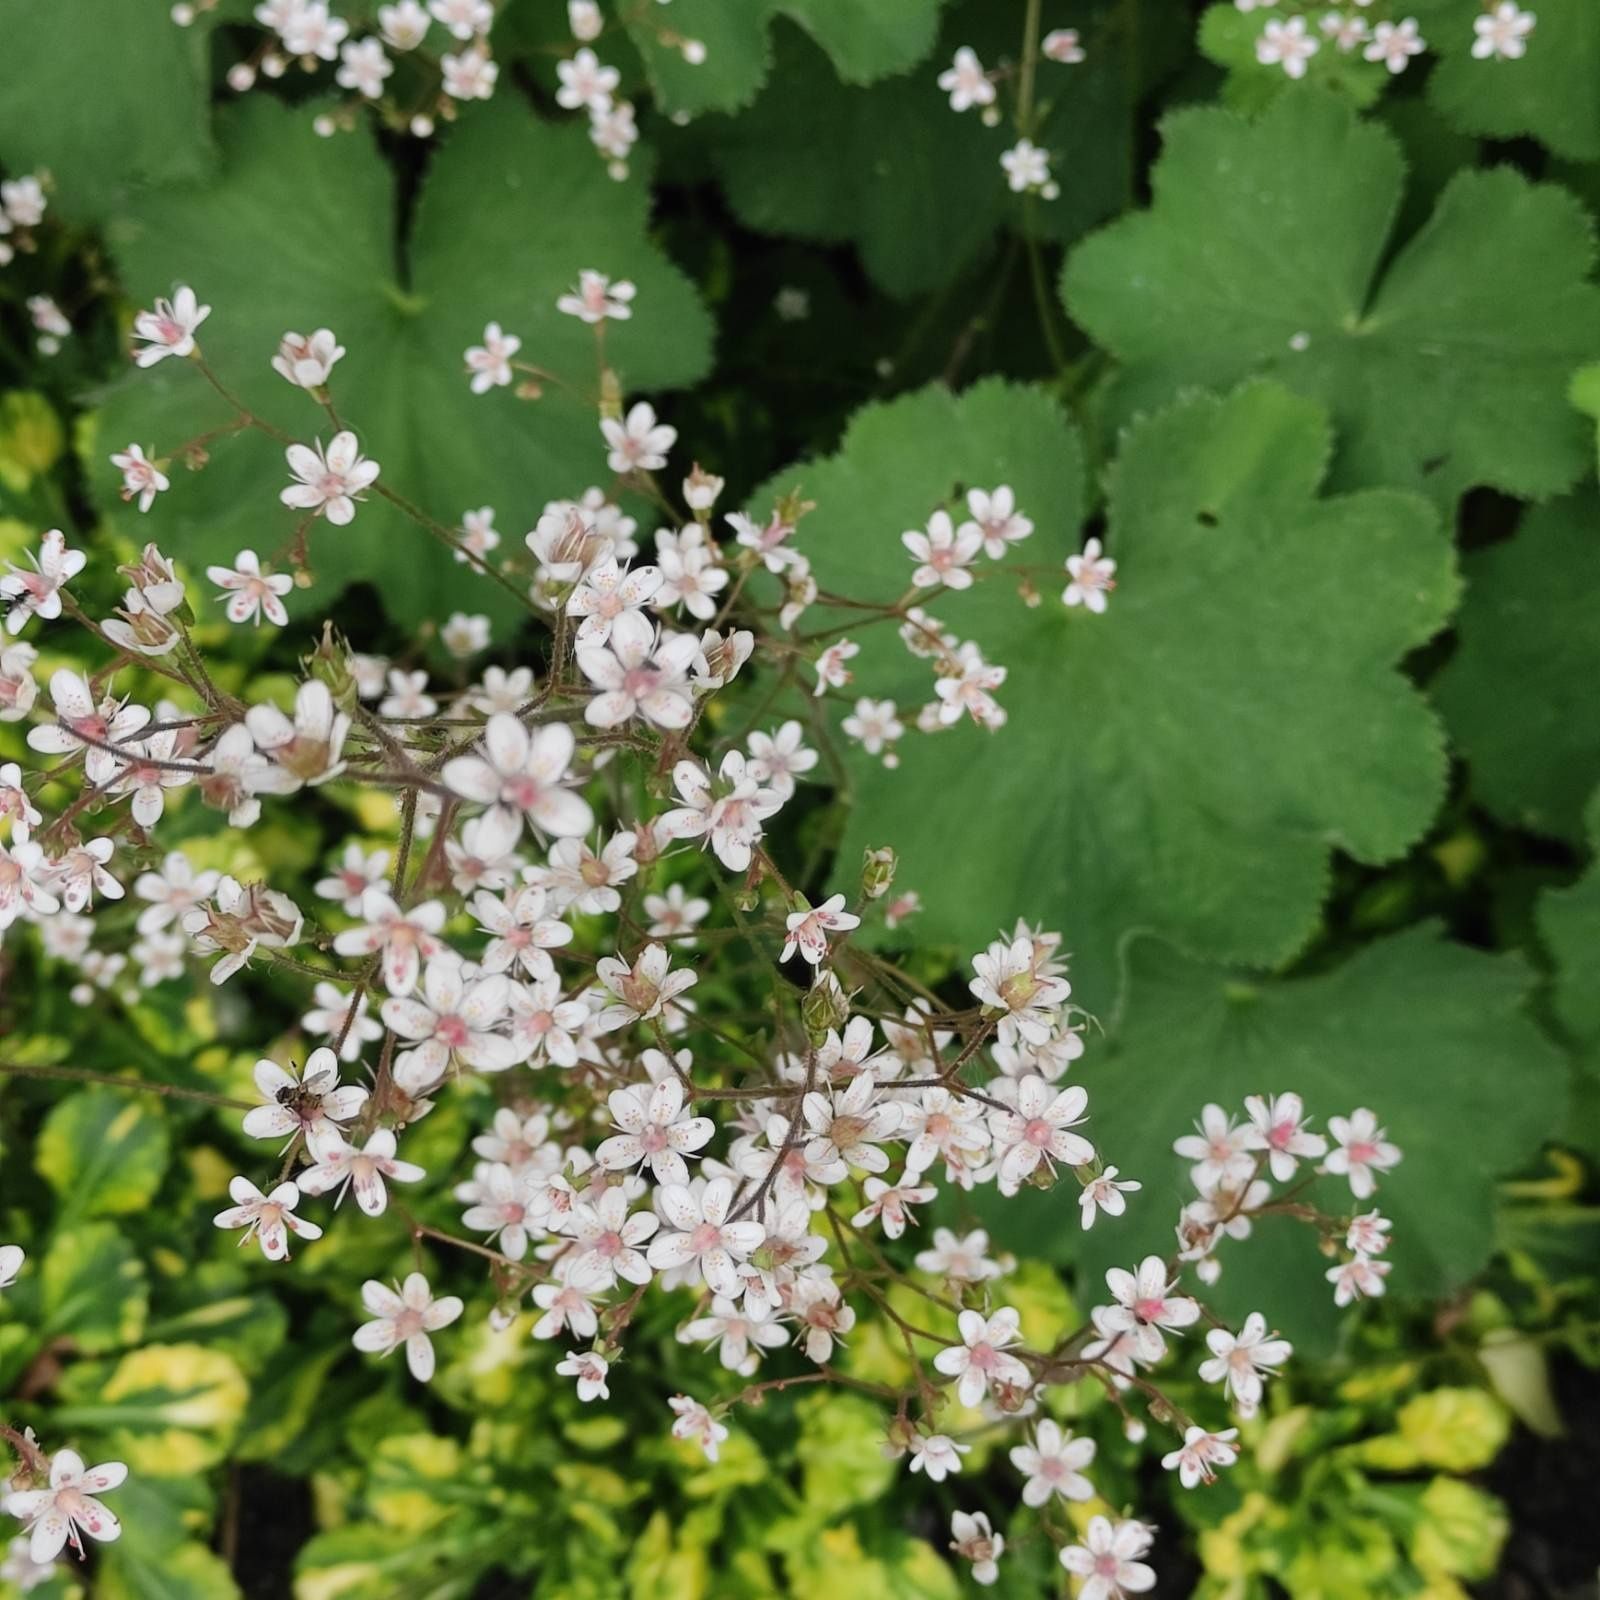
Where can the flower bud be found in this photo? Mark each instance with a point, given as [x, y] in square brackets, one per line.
[877, 872]
[825, 1006]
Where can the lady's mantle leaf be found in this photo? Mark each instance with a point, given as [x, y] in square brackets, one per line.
[1264, 253]
[1184, 763]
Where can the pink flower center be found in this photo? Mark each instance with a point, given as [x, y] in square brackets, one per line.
[452, 1031]
[1038, 1133]
[1149, 1310]
[654, 1138]
[706, 1237]
[1361, 1152]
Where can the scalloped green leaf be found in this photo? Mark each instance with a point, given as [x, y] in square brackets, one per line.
[1569, 925]
[1433, 1037]
[1234, 716]
[104, 1153]
[1518, 695]
[1267, 251]
[864, 42]
[299, 233]
[1548, 94]
[111, 96]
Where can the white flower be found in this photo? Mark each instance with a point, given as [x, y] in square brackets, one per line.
[1502, 34]
[521, 933]
[606, 591]
[973, 1538]
[1011, 978]
[1394, 44]
[510, 1204]
[1038, 1130]
[363, 67]
[1061, 44]
[1344, 32]
[469, 76]
[846, 1129]
[404, 25]
[38, 593]
[341, 1166]
[543, 1024]
[251, 592]
[966, 82]
[1240, 1361]
[590, 1371]
[463, 18]
[966, 689]
[691, 578]
[490, 362]
[1053, 1465]
[1104, 1193]
[778, 759]
[1027, 167]
[522, 773]
[1285, 44]
[1108, 1560]
[406, 938]
[658, 1130]
[701, 1235]
[614, 133]
[696, 1423]
[584, 18]
[1220, 1151]
[637, 443]
[308, 750]
[1277, 1125]
[875, 726]
[269, 1217]
[579, 879]
[741, 1339]
[18, 691]
[305, 362]
[937, 1455]
[639, 673]
[58, 1515]
[944, 552]
[1362, 1151]
[980, 1360]
[11, 1258]
[331, 480]
[24, 201]
[310, 1102]
[586, 83]
[1201, 1452]
[453, 1021]
[405, 1318]
[997, 519]
[142, 480]
[607, 1240]
[700, 489]
[890, 1205]
[808, 929]
[963, 1259]
[168, 330]
[311, 30]
[1357, 1278]
[1368, 1234]
[357, 873]
[1091, 575]
[81, 873]
[640, 991]
[465, 634]
[674, 914]
[1146, 1306]
[479, 537]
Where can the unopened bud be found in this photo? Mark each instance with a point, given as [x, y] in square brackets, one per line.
[877, 872]
[610, 394]
[329, 663]
[825, 1007]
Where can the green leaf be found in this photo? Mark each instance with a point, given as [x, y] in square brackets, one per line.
[817, 158]
[1266, 252]
[189, 1572]
[1234, 715]
[1431, 1036]
[1548, 94]
[109, 96]
[1518, 695]
[1569, 924]
[300, 233]
[103, 1152]
[168, 1410]
[864, 42]
[92, 1289]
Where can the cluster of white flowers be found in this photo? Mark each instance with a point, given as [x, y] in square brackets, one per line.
[972, 86]
[311, 33]
[22, 209]
[1291, 40]
[609, 1175]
